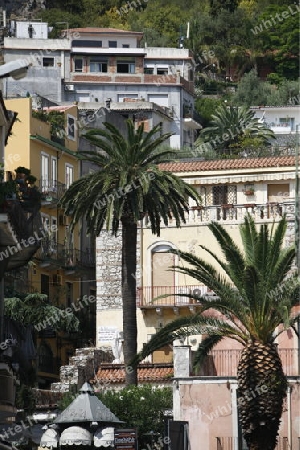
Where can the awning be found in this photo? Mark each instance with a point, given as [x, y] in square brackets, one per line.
[76, 436]
[49, 438]
[104, 437]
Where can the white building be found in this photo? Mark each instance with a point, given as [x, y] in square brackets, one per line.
[96, 65]
[283, 120]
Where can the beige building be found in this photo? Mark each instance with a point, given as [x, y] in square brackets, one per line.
[229, 189]
[263, 187]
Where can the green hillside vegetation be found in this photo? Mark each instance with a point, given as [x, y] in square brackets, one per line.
[239, 34]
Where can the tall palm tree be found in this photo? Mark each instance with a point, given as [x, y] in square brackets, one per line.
[128, 186]
[255, 294]
[229, 125]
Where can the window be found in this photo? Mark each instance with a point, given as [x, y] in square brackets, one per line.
[98, 64]
[125, 46]
[125, 66]
[149, 70]
[54, 172]
[45, 285]
[278, 193]
[86, 43]
[45, 362]
[45, 172]
[78, 64]
[69, 175]
[112, 44]
[71, 127]
[48, 62]
[53, 235]
[162, 71]
[69, 293]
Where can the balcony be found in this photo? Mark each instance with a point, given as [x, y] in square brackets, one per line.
[7, 392]
[232, 213]
[54, 255]
[224, 363]
[52, 191]
[20, 231]
[171, 295]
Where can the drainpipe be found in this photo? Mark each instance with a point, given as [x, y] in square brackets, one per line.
[289, 390]
[235, 418]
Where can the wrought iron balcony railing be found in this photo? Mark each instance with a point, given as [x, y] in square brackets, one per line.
[224, 363]
[169, 295]
[67, 258]
[52, 190]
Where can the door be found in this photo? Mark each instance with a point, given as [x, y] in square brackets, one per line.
[163, 279]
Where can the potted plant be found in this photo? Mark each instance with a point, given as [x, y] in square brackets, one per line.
[31, 179]
[22, 173]
[249, 191]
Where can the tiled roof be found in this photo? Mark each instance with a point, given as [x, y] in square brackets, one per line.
[115, 373]
[227, 164]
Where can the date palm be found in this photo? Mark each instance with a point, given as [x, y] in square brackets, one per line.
[255, 295]
[128, 186]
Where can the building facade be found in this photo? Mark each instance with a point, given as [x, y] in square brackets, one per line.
[59, 265]
[96, 65]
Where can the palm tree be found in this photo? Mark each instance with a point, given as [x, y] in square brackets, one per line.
[255, 299]
[128, 186]
[229, 125]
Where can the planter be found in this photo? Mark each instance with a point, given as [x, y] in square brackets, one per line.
[197, 208]
[227, 206]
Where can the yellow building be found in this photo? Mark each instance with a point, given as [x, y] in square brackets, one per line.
[58, 266]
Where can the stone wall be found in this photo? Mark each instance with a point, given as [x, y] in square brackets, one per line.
[109, 270]
[82, 367]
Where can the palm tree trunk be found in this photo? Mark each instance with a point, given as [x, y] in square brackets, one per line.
[261, 388]
[129, 243]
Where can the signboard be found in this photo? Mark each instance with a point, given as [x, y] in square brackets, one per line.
[107, 334]
[125, 439]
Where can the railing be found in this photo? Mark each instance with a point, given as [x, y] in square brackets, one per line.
[236, 213]
[225, 362]
[51, 190]
[67, 258]
[172, 295]
[233, 443]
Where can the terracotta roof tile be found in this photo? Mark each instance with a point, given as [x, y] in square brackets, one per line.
[115, 373]
[227, 164]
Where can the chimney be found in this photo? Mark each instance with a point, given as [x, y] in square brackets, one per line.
[182, 361]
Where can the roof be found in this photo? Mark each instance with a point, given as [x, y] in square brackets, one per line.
[53, 144]
[13, 68]
[60, 108]
[86, 407]
[115, 373]
[103, 30]
[226, 164]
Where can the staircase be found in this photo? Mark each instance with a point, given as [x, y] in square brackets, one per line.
[82, 367]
